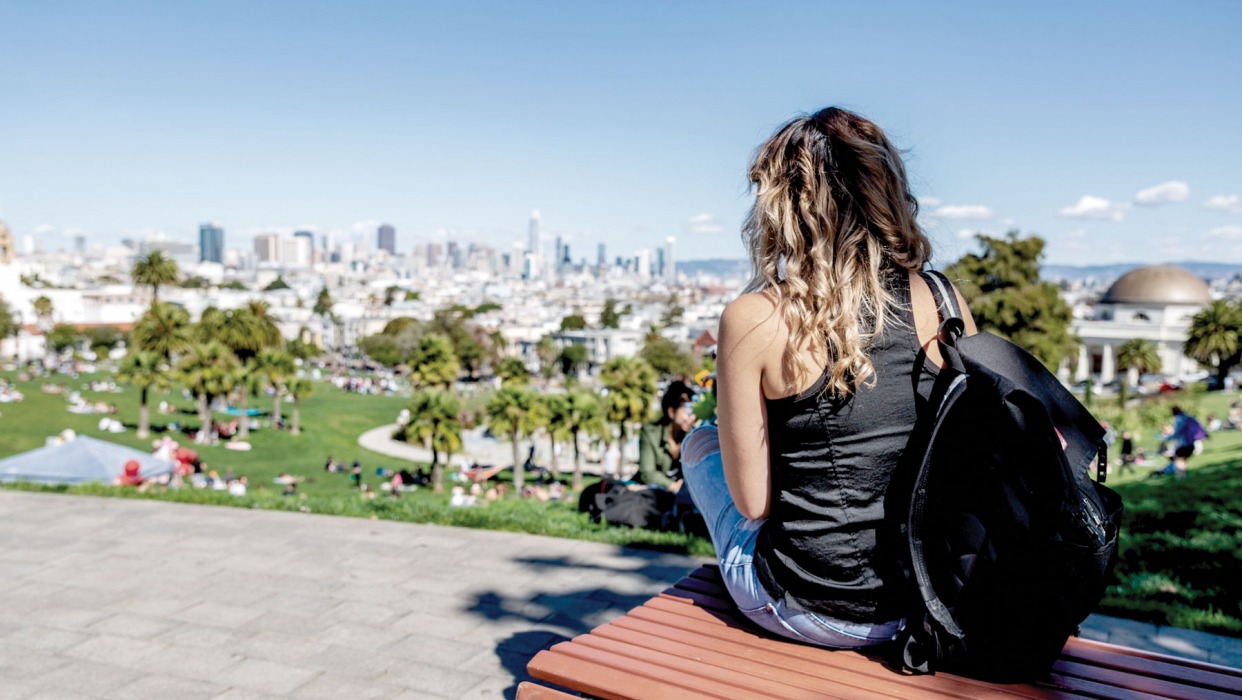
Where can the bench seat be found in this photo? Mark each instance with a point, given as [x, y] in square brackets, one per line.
[689, 642]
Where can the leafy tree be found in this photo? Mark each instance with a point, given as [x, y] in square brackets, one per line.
[102, 339]
[276, 284]
[155, 270]
[9, 327]
[390, 294]
[323, 303]
[666, 357]
[583, 414]
[1139, 355]
[572, 358]
[486, 307]
[433, 363]
[146, 371]
[1006, 297]
[302, 350]
[573, 322]
[277, 367]
[44, 309]
[1214, 337]
[163, 329]
[673, 313]
[511, 412]
[63, 337]
[382, 348]
[512, 372]
[298, 388]
[208, 370]
[435, 424]
[609, 317]
[412, 296]
[234, 285]
[195, 282]
[630, 384]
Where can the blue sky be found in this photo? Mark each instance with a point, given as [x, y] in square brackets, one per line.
[621, 122]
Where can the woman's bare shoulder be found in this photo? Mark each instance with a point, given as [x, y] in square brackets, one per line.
[751, 311]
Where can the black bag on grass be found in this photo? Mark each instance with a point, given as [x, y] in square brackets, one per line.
[1011, 544]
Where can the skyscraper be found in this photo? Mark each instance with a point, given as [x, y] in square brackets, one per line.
[267, 248]
[210, 243]
[670, 263]
[603, 256]
[534, 248]
[386, 239]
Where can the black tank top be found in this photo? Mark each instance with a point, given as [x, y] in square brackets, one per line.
[828, 546]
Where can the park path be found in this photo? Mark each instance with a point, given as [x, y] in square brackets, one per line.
[120, 598]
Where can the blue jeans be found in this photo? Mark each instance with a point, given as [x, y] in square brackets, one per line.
[734, 538]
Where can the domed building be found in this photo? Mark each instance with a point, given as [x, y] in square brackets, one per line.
[1153, 303]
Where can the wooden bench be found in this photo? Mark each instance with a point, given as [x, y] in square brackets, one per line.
[689, 642]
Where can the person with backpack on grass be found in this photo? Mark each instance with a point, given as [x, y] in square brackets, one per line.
[823, 362]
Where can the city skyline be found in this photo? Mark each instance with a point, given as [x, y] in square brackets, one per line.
[623, 125]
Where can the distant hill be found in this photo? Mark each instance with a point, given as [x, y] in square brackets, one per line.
[720, 267]
[1098, 274]
[1106, 273]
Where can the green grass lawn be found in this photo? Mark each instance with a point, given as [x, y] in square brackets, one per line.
[332, 420]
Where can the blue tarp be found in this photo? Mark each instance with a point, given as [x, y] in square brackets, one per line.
[77, 461]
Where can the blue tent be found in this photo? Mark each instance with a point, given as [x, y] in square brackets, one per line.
[77, 461]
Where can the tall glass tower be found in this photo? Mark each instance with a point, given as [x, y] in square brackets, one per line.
[211, 243]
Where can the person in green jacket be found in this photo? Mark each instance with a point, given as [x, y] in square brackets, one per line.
[659, 443]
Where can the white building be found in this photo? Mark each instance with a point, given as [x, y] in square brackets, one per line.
[1153, 303]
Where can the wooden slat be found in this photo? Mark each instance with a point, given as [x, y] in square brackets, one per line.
[764, 663]
[693, 619]
[608, 682]
[1155, 686]
[1153, 663]
[670, 655]
[533, 691]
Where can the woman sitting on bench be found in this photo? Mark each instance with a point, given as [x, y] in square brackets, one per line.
[818, 381]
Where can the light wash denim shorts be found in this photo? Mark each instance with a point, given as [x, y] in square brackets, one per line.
[734, 538]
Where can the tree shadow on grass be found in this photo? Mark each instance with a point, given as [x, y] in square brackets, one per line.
[547, 615]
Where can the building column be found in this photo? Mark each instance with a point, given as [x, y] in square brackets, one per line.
[1084, 364]
[1107, 370]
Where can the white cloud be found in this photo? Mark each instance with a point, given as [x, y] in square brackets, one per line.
[1231, 203]
[967, 233]
[1224, 232]
[1164, 193]
[703, 223]
[972, 212]
[1092, 207]
[929, 201]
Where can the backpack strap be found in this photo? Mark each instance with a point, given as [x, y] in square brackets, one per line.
[952, 327]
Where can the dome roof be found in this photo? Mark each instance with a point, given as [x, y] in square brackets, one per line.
[1160, 285]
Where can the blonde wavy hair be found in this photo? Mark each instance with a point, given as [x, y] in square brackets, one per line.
[833, 218]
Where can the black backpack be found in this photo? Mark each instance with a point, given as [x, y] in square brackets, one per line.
[1011, 544]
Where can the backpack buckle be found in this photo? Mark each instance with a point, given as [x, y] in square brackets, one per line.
[950, 330]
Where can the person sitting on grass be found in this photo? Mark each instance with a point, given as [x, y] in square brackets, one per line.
[659, 442]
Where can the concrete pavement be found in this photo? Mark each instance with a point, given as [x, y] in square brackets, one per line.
[117, 599]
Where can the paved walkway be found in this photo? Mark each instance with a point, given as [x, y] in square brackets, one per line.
[116, 599]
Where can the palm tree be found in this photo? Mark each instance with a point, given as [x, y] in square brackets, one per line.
[8, 324]
[553, 417]
[164, 329]
[277, 367]
[1214, 337]
[245, 331]
[434, 423]
[266, 325]
[583, 414]
[298, 388]
[1138, 357]
[250, 382]
[145, 370]
[630, 385]
[155, 270]
[512, 370]
[433, 362]
[510, 412]
[209, 371]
